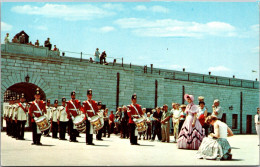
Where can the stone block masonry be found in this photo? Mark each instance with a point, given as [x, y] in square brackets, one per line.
[58, 76]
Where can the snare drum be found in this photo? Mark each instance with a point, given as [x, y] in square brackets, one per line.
[97, 122]
[42, 123]
[140, 124]
[80, 123]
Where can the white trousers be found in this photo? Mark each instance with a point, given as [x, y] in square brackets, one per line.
[257, 127]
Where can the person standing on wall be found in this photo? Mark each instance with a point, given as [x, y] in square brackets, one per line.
[7, 38]
[97, 54]
[48, 44]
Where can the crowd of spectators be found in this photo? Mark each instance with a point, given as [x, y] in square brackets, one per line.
[22, 40]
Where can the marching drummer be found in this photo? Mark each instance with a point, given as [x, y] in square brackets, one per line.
[134, 112]
[21, 117]
[100, 112]
[54, 113]
[62, 119]
[48, 115]
[89, 108]
[37, 109]
[73, 109]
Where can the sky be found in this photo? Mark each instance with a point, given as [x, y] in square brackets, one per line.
[220, 37]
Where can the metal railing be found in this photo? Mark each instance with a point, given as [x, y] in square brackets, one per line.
[167, 74]
[87, 56]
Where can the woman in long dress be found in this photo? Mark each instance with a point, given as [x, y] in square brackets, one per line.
[191, 133]
[216, 145]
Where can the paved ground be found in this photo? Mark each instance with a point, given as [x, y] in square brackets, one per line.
[114, 151]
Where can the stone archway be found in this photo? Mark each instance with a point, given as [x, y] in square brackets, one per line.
[23, 87]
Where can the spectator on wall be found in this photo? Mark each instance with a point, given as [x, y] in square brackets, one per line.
[55, 48]
[22, 39]
[7, 38]
[97, 54]
[15, 40]
[103, 57]
[30, 43]
[47, 43]
[37, 44]
[91, 60]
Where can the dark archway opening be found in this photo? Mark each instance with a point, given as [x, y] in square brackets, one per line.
[23, 87]
[28, 89]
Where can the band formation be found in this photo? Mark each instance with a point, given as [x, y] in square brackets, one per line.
[191, 123]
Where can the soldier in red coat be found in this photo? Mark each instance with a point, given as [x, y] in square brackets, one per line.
[134, 111]
[73, 109]
[37, 109]
[89, 108]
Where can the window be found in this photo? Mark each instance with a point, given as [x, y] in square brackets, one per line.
[234, 121]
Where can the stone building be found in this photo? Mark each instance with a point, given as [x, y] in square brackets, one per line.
[25, 67]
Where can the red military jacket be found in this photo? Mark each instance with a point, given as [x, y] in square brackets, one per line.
[132, 111]
[34, 111]
[87, 109]
[70, 109]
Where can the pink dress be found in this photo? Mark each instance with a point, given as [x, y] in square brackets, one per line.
[190, 137]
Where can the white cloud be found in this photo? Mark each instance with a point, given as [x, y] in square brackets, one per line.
[107, 29]
[41, 27]
[159, 9]
[218, 69]
[175, 28]
[255, 28]
[66, 12]
[140, 8]
[6, 27]
[110, 6]
[256, 50]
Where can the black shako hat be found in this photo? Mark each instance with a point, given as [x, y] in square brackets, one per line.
[134, 96]
[89, 92]
[73, 93]
[37, 91]
[63, 99]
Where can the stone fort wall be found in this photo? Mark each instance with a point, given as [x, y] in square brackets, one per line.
[57, 76]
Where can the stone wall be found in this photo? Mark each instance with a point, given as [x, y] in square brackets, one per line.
[58, 76]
